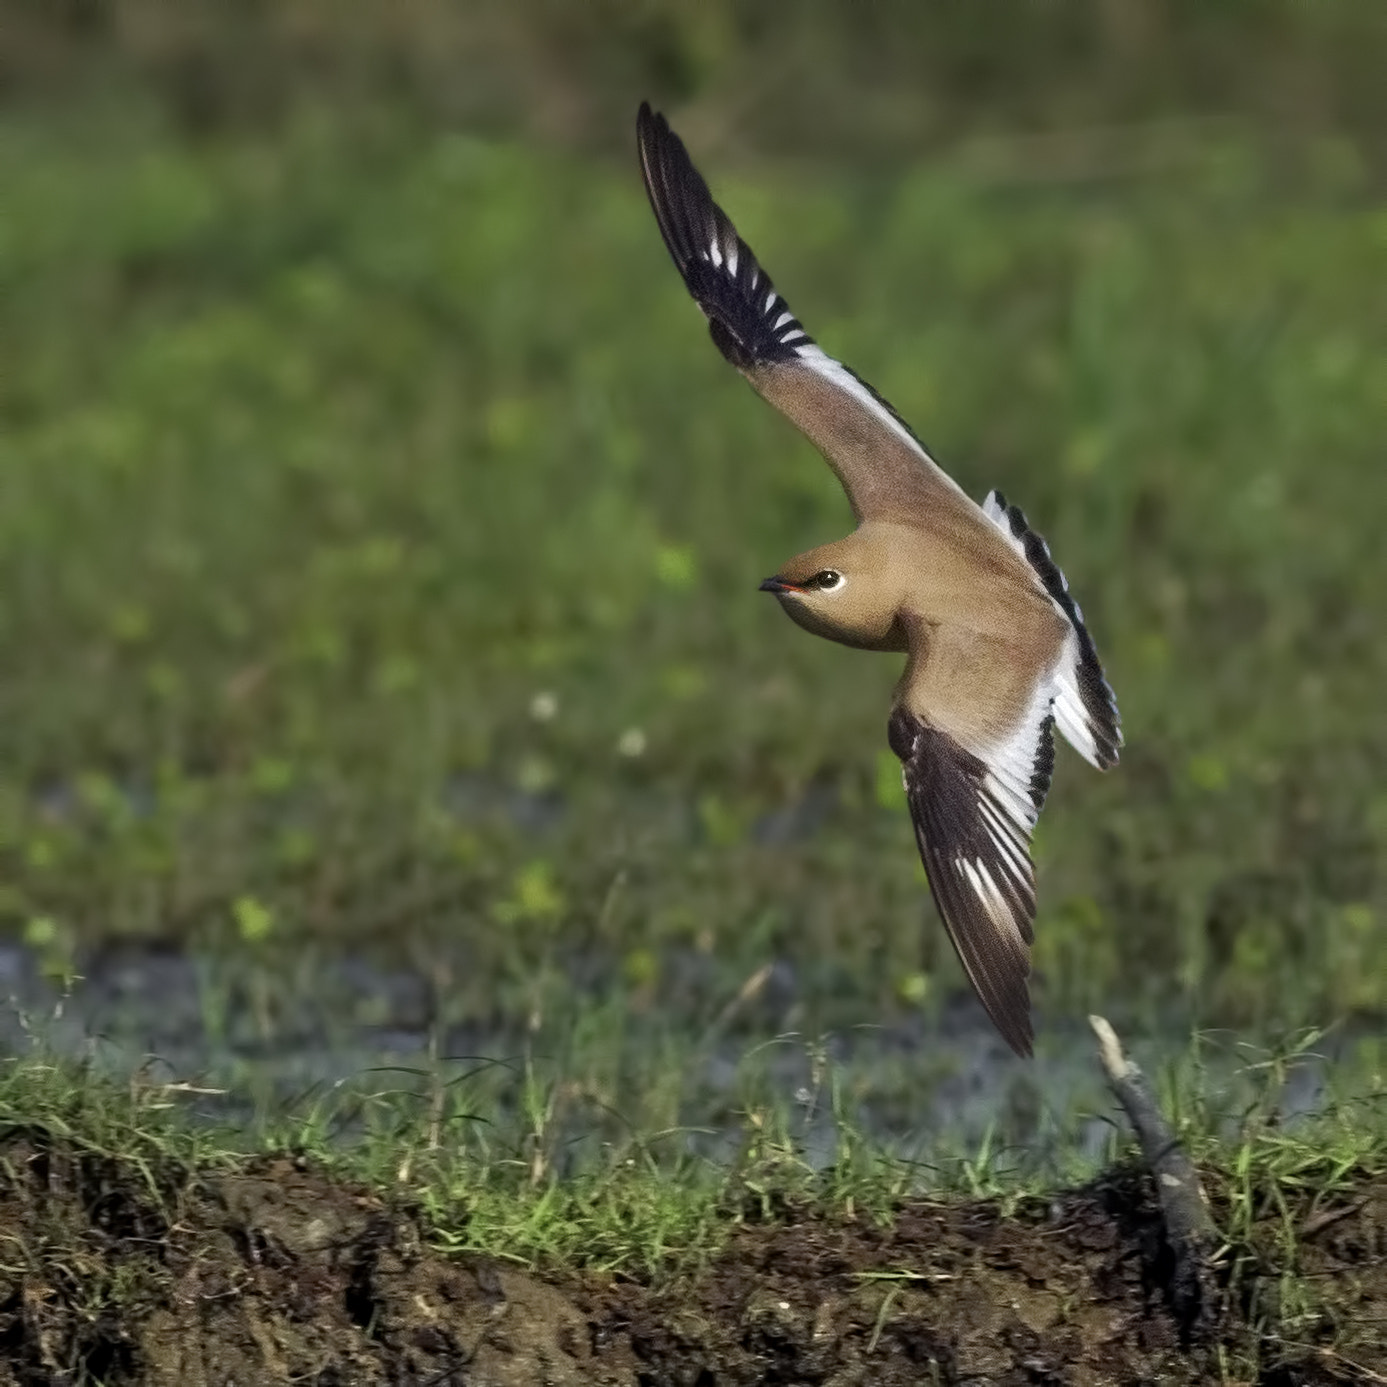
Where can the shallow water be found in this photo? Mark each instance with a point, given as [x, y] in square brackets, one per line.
[276, 1040]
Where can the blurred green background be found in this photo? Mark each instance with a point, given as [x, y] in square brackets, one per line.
[380, 531]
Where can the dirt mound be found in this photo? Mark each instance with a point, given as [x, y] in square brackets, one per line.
[274, 1273]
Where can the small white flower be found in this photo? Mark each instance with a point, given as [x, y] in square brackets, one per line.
[631, 743]
[544, 705]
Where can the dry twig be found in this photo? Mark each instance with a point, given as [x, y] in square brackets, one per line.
[1189, 1227]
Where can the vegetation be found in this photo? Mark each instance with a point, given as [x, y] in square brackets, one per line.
[377, 581]
[142, 1248]
[381, 537]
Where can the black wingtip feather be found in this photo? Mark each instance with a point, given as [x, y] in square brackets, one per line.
[747, 318]
[942, 784]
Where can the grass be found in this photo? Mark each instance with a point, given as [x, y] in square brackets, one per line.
[487, 1178]
[377, 571]
[381, 536]
[125, 1183]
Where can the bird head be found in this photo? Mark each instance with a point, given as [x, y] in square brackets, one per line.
[831, 591]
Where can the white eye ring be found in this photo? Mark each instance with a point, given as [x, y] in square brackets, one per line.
[827, 580]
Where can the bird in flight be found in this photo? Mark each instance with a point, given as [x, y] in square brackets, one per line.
[996, 649]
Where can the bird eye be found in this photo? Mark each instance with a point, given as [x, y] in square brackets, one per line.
[827, 579]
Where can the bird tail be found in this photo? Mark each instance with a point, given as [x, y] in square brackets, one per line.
[1085, 708]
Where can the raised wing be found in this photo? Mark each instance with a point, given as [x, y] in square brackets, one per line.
[883, 467]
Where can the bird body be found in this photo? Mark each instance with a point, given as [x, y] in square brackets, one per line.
[997, 650]
[893, 569]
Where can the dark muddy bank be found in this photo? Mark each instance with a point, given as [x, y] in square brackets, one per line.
[271, 1273]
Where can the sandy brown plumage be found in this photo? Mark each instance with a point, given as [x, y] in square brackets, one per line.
[998, 654]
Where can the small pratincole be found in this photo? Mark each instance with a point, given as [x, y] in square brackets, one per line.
[996, 649]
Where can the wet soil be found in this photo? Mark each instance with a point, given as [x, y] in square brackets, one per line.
[274, 1273]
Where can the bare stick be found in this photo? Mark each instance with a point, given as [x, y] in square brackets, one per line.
[1188, 1225]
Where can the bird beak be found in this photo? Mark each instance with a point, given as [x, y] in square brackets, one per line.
[778, 585]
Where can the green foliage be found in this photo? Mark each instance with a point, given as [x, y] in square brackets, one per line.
[381, 534]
